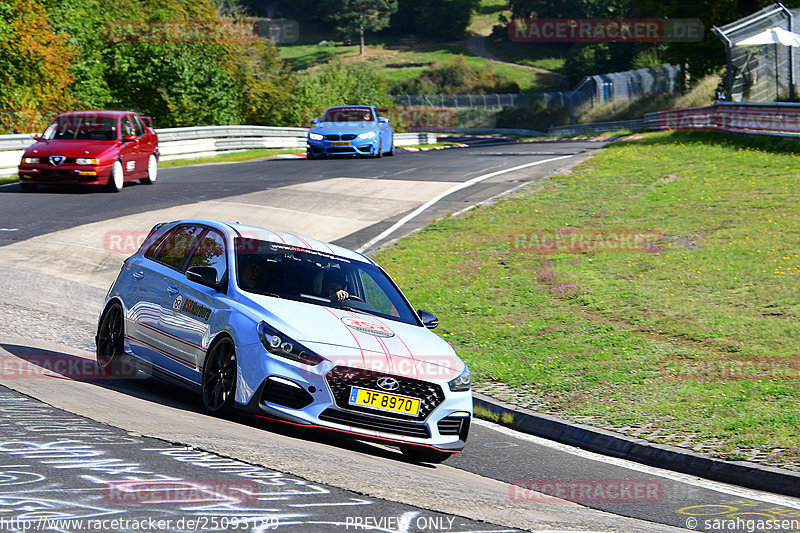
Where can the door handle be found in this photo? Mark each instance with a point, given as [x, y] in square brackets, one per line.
[173, 290]
[138, 275]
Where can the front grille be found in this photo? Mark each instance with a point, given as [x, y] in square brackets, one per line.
[340, 379]
[340, 150]
[454, 425]
[291, 396]
[348, 137]
[331, 137]
[57, 175]
[376, 423]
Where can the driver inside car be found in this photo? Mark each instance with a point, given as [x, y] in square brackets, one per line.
[333, 286]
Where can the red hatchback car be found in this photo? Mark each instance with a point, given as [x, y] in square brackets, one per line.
[104, 148]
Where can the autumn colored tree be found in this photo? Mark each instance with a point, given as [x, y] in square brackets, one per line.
[34, 67]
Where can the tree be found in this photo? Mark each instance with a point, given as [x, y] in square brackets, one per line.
[442, 19]
[34, 61]
[351, 16]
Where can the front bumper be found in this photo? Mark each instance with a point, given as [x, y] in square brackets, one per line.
[349, 147]
[316, 398]
[48, 174]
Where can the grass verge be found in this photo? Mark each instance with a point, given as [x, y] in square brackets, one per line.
[235, 157]
[8, 179]
[653, 291]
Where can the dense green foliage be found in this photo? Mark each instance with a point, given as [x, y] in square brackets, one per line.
[180, 61]
[585, 59]
[437, 19]
[457, 76]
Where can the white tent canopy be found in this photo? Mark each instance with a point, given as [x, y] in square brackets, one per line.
[774, 35]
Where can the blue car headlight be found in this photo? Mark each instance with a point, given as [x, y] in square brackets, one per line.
[283, 346]
[463, 382]
[315, 136]
[367, 135]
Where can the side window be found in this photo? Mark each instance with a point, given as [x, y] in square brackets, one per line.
[137, 126]
[375, 297]
[127, 127]
[211, 253]
[173, 246]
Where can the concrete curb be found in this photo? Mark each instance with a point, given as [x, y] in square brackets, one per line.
[743, 474]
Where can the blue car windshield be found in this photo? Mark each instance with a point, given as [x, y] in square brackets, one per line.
[348, 114]
[285, 271]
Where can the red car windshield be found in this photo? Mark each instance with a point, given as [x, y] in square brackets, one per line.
[348, 114]
[82, 127]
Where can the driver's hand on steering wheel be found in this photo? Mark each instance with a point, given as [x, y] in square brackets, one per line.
[340, 295]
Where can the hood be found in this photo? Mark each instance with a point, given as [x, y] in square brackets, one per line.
[72, 148]
[363, 341]
[344, 127]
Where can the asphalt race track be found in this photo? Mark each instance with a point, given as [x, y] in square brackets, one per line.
[74, 446]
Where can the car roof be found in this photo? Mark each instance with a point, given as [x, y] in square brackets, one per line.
[351, 106]
[100, 113]
[282, 237]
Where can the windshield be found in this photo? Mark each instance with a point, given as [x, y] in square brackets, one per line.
[347, 114]
[82, 127]
[303, 275]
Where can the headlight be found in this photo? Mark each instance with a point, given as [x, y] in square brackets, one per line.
[462, 382]
[30, 160]
[367, 135]
[87, 161]
[279, 344]
[315, 136]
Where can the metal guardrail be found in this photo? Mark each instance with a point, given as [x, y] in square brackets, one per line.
[204, 141]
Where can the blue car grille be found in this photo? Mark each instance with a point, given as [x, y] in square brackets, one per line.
[340, 379]
[331, 137]
[349, 137]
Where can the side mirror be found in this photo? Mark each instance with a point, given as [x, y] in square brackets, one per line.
[129, 138]
[204, 276]
[314, 121]
[383, 119]
[429, 320]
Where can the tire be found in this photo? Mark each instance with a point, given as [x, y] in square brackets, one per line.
[379, 151]
[421, 454]
[152, 171]
[219, 378]
[310, 154]
[110, 342]
[27, 187]
[117, 179]
[391, 148]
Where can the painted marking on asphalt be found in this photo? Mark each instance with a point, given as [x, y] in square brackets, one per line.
[9, 184]
[8, 229]
[660, 472]
[400, 223]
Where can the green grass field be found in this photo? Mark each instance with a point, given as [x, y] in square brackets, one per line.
[402, 59]
[655, 285]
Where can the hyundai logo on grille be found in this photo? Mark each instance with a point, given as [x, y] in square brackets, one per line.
[388, 384]
[57, 159]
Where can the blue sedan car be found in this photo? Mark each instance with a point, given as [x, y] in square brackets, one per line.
[289, 329]
[350, 130]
